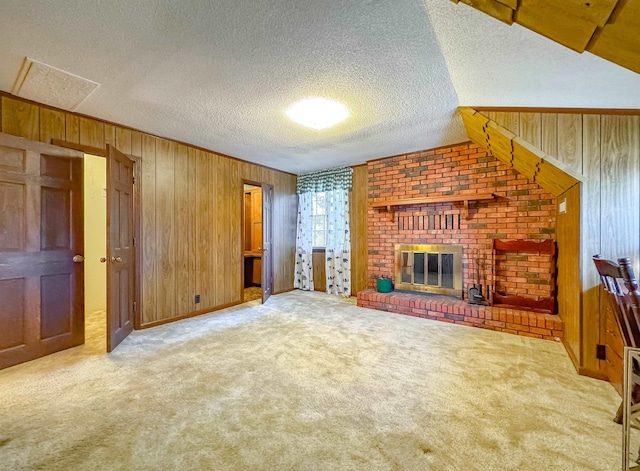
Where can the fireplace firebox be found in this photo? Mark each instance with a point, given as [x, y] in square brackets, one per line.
[429, 268]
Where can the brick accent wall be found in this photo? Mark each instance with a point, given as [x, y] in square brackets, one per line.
[522, 211]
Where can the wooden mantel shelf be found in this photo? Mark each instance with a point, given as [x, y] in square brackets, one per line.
[391, 204]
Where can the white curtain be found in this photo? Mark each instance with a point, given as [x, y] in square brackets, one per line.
[338, 248]
[303, 278]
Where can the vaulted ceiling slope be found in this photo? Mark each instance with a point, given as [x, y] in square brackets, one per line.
[607, 28]
[220, 74]
[494, 64]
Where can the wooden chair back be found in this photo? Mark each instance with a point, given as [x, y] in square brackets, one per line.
[620, 282]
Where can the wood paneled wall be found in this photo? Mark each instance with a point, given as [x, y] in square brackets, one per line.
[319, 270]
[605, 148]
[358, 208]
[191, 210]
[569, 288]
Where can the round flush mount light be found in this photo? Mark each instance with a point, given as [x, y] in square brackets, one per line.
[317, 113]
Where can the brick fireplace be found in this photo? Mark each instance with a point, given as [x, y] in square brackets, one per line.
[520, 210]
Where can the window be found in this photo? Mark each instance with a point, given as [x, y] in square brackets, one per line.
[319, 215]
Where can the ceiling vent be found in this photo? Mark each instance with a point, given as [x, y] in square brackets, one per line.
[45, 84]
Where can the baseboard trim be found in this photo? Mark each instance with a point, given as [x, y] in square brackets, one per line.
[581, 370]
[572, 357]
[593, 374]
[198, 313]
[284, 291]
[187, 316]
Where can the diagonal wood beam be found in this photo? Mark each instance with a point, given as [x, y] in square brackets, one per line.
[536, 165]
[606, 28]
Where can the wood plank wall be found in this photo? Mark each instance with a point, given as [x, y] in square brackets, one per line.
[606, 149]
[569, 289]
[319, 270]
[191, 210]
[358, 207]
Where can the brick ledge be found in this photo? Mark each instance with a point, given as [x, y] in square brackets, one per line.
[457, 311]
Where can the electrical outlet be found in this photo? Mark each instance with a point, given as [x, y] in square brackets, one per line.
[197, 299]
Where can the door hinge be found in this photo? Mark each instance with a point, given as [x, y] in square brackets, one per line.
[134, 241]
[133, 180]
[134, 306]
[601, 352]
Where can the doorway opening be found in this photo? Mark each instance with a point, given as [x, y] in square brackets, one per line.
[95, 240]
[42, 250]
[257, 240]
[111, 223]
[252, 242]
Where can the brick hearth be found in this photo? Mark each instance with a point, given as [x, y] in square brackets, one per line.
[456, 311]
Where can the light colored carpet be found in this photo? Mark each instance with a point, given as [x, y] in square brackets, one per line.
[308, 382]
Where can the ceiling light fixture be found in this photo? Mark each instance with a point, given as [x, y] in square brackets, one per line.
[317, 113]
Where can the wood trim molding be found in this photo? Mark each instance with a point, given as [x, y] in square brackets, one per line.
[572, 357]
[137, 222]
[187, 316]
[518, 109]
[545, 170]
[593, 374]
[42, 105]
[79, 147]
[244, 182]
[284, 291]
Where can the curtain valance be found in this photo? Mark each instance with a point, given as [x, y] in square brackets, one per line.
[325, 180]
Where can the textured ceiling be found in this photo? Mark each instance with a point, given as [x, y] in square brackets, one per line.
[220, 74]
[493, 64]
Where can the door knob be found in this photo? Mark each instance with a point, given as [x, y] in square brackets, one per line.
[78, 259]
[116, 259]
[103, 260]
